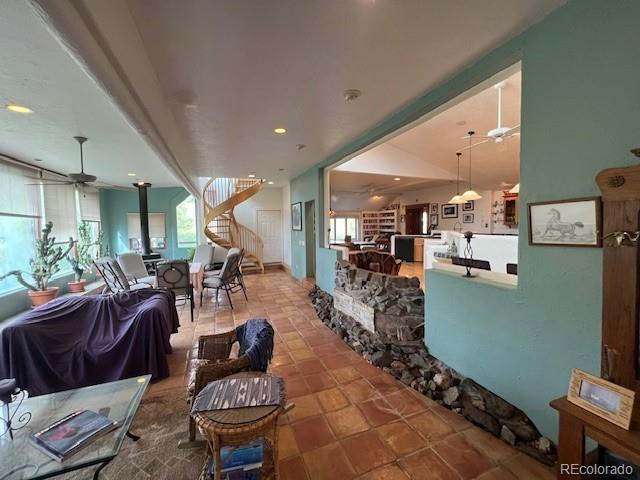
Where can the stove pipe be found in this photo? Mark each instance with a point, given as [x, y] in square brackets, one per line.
[144, 216]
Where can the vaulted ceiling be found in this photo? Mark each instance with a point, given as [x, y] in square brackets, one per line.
[427, 151]
[205, 82]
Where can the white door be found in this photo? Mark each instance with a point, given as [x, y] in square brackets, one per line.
[269, 227]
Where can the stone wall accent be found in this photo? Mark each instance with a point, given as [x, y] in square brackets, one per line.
[410, 362]
[398, 302]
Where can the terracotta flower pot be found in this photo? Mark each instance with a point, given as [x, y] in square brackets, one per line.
[77, 287]
[39, 297]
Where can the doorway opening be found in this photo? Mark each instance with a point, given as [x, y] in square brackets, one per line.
[310, 236]
[456, 169]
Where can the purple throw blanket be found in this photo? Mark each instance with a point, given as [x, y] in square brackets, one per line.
[74, 342]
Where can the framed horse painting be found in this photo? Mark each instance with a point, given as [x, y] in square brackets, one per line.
[572, 223]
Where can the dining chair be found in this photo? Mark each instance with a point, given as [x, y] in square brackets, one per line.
[174, 275]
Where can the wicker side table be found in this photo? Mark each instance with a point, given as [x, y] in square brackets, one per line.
[237, 426]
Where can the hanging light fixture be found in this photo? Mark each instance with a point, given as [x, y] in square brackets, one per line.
[457, 198]
[515, 189]
[470, 194]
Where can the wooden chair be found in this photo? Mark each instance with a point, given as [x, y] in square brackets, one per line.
[210, 363]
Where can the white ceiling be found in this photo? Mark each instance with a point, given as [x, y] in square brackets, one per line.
[215, 77]
[434, 143]
[35, 71]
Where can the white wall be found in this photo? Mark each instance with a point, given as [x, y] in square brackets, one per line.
[286, 224]
[441, 195]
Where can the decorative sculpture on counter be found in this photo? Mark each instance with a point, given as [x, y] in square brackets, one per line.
[620, 237]
[8, 392]
[468, 254]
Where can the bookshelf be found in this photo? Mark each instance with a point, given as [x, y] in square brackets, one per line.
[377, 222]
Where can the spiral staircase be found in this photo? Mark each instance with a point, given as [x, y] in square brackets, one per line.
[220, 196]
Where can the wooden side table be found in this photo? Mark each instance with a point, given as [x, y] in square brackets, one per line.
[237, 426]
[577, 423]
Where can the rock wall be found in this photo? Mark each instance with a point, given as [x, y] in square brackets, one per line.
[410, 362]
[398, 302]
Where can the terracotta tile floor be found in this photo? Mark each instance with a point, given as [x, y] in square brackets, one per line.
[351, 420]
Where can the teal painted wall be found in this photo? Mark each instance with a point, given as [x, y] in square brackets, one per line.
[580, 111]
[115, 204]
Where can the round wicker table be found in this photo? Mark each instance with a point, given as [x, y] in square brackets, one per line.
[237, 426]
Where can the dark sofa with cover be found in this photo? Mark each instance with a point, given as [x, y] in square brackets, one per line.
[74, 342]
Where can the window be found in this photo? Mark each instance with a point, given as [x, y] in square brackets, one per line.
[19, 223]
[343, 226]
[25, 207]
[157, 231]
[186, 222]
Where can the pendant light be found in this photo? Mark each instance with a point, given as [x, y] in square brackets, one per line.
[470, 194]
[457, 198]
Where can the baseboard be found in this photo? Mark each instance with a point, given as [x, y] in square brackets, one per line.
[286, 268]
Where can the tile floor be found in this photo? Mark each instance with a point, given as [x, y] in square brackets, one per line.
[351, 420]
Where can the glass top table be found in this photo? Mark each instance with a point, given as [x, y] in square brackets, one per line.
[20, 460]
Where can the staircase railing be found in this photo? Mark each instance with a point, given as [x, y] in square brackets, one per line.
[220, 196]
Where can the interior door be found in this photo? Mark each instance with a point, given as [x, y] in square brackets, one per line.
[269, 227]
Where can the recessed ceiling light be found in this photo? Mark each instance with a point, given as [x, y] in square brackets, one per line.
[131, 174]
[397, 179]
[351, 94]
[19, 108]
[37, 159]
[270, 182]
[281, 169]
[280, 130]
[252, 175]
[300, 146]
[461, 123]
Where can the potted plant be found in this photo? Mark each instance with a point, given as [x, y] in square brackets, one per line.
[43, 265]
[102, 249]
[80, 257]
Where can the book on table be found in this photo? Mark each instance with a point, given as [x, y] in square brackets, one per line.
[240, 463]
[65, 437]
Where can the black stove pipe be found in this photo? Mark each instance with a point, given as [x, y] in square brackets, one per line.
[144, 216]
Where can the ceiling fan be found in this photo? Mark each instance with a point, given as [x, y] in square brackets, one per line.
[80, 179]
[500, 133]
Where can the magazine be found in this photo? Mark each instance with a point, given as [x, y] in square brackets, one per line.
[240, 463]
[70, 434]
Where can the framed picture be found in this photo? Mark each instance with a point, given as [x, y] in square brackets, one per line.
[449, 210]
[467, 218]
[433, 219]
[296, 216]
[600, 397]
[434, 208]
[576, 222]
[468, 206]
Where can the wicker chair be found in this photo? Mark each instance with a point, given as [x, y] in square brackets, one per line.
[210, 363]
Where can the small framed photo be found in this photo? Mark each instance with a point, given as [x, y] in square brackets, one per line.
[468, 206]
[296, 216]
[572, 223]
[467, 218]
[600, 397]
[434, 209]
[433, 219]
[449, 210]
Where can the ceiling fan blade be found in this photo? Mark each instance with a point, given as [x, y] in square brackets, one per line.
[58, 184]
[53, 180]
[476, 136]
[473, 145]
[508, 132]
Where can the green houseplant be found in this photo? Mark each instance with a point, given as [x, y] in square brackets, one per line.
[43, 266]
[81, 257]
